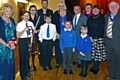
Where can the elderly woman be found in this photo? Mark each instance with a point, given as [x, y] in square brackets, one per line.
[96, 32]
[59, 17]
[7, 31]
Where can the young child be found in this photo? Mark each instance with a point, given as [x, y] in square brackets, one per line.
[84, 49]
[67, 46]
[24, 33]
[46, 36]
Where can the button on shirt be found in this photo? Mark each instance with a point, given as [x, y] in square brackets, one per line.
[43, 32]
[21, 26]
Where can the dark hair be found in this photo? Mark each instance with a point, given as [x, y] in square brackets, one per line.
[89, 4]
[25, 12]
[96, 6]
[47, 16]
[44, 0]
[84, 26]
[32, 7]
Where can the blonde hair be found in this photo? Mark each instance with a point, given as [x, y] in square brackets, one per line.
[6, 6]
[61, 3]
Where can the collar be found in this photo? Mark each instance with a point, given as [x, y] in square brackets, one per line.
[24, 21]
[78, 14]
[67, 29]
[83, 36]
[113, 14]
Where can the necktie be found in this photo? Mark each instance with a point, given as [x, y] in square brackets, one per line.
[109, 29]
[75, 21]
[28, 31]
[48, 31]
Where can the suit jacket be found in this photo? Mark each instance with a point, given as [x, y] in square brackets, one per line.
[81, 21]
[56, 19]
[40, 13]
[115, 31]
[2, 29]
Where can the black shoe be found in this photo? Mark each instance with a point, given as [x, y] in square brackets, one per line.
[57, 66]
[70, 72]
[29, 75]
[84, 74]
[95, 71]
[45, 69]
[74, 63]
[92, 69]
[24, 78]
[78, 65]
[50, 68]
[65, 71]
[81, 73]
[34, 68]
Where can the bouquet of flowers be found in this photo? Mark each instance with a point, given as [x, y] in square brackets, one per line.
[12, 43]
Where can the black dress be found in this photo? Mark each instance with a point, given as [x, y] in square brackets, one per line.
[96, 31]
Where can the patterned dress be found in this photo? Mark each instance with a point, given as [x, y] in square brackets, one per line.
[6, 54]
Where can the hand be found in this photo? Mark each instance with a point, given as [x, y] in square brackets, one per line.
[73, 50]
[27, 28]
[35, 31]
[7, 45]
[82, 54]
[58, 36]
[92, 40]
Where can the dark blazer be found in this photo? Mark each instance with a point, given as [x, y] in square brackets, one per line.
[56, 19]
[115, 30]
[40, 13]
[2, 29]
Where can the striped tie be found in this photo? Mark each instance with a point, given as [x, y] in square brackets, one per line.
[109, 29]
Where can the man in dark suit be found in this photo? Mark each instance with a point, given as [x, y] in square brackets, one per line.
[41, 12]
[112, 41]
[78, 21]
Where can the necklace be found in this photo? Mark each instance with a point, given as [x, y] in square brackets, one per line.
[96, 16]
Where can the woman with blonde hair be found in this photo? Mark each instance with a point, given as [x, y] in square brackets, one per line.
[7, 31]
[59, 17]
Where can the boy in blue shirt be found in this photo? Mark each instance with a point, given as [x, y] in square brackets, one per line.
[84, 49]
[67, 46]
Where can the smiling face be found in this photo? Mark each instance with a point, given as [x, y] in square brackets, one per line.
[7, 12]
[44, 4]
[26, 16]
[95, 11]
[113, 7]
[33, 10]
[68, 25]
[77, 9]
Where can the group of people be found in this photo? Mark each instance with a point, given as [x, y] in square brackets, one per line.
[89, 36]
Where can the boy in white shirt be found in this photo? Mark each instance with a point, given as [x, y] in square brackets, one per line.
[46, 36]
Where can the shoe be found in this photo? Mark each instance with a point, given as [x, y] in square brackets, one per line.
[81, 73]
[34, 68]
[29, 75]
[78, 65]
[24, 78]
[84, 74]
[74, 63]
[45, 69]
[108, 78]
[50, 68]
[95, 71]
[70, 72]
[92, 69]
[65, 71]
[57, 66]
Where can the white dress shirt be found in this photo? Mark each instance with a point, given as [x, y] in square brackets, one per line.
[22, 25]
[78, 15]
[43, 30]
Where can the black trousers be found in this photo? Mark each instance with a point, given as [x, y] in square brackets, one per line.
[46, 54]
[24, 56]
[113, 59]
[58, 54]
